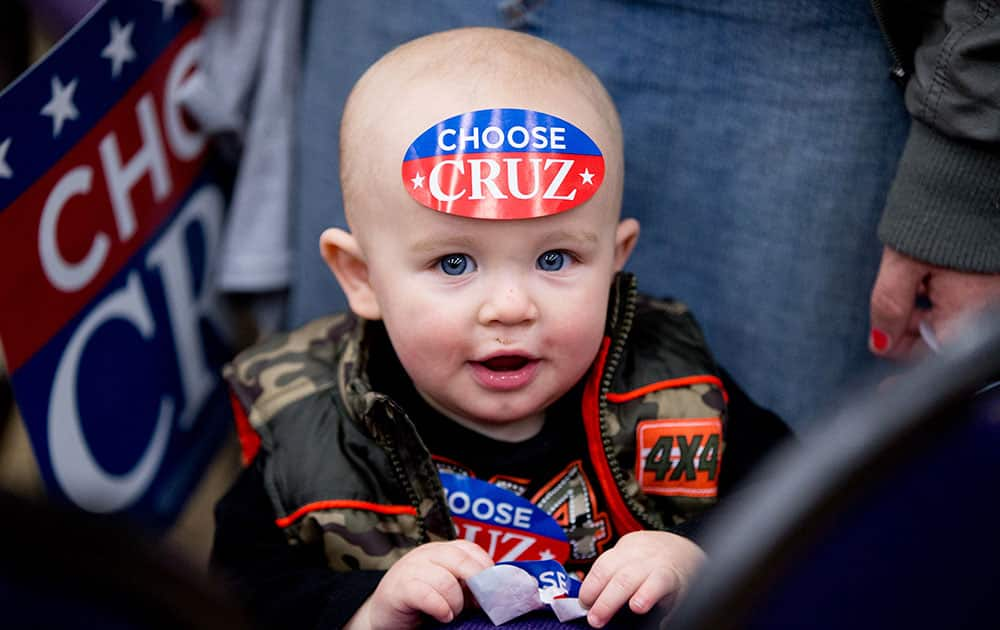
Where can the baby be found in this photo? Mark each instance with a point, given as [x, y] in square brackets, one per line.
[493, 339]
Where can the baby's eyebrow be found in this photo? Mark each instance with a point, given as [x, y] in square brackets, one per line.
[579, 236]
[437, 243]
[463, 242]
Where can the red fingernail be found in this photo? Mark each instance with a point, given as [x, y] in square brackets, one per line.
[880, 340]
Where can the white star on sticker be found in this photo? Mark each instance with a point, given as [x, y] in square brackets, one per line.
[60, 107]
[119, 49]
[169, 6]
[588, 177]
[545, 554]
[418, 181]
[5, 171]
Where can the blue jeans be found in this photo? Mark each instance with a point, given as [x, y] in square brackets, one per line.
[760, 139]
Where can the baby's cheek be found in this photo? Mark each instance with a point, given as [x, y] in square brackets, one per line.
[575, 344]
[583, 328]
[426, 343]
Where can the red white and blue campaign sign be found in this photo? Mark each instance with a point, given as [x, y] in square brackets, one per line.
[507, 526]
[109, 216]
[503, 164]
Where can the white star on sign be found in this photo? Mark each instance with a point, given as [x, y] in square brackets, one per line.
[418, 181]
[588, 177]
[5, 171]
[169, 6]
[545, 554]
[60, 107]
[119, 49]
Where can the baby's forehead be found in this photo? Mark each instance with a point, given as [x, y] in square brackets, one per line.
[420, 87]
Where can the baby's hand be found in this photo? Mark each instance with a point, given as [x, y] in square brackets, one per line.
[643, 568]
[424, 581]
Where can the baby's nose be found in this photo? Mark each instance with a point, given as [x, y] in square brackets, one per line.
[508, 305]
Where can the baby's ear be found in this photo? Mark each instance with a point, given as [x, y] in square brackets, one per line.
[626, 236]
[345, 259]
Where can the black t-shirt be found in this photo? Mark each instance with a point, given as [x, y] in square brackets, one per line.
[550, 469]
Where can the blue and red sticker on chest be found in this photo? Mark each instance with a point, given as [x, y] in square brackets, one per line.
[502, 164]
[507, 526]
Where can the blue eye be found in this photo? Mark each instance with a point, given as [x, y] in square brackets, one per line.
[552, 260]
[456, 264]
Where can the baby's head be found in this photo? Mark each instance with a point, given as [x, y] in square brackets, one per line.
[493, 319]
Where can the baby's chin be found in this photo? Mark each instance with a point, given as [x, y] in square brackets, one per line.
[512, 427]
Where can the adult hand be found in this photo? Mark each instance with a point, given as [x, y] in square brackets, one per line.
[947, 294]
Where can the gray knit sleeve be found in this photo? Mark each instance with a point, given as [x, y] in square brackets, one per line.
[944, 204]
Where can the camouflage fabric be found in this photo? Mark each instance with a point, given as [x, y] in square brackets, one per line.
[358, 539]
[654, 341]
[348, 474]
[280, 371]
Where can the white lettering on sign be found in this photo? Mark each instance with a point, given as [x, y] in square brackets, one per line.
[150, 158]
[483, 173]
[550, 192]
[121, 176]
[497, 542]
[435, 180]
[79, 474]
[186, 144]
[537, 139]
[170, 257]
[188, 300]
[554, 579]
[478, 180]
[461, 504]
[64, 275]
[512, 179]
[493, 137]
[525, 137]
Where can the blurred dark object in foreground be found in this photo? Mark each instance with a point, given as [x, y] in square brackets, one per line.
[62, 568]
[885, 517]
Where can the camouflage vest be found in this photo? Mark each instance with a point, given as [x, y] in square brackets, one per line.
[345, 468]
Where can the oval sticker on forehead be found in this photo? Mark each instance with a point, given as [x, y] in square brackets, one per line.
[503, 164]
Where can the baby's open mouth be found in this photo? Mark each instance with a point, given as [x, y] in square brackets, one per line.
[505, 372]
[507, 363]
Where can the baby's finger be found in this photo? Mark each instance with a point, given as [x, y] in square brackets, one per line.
[465, 558]
[657, 585]
[436, 605]
[619, 589]
[438, 593]
[598, 577]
